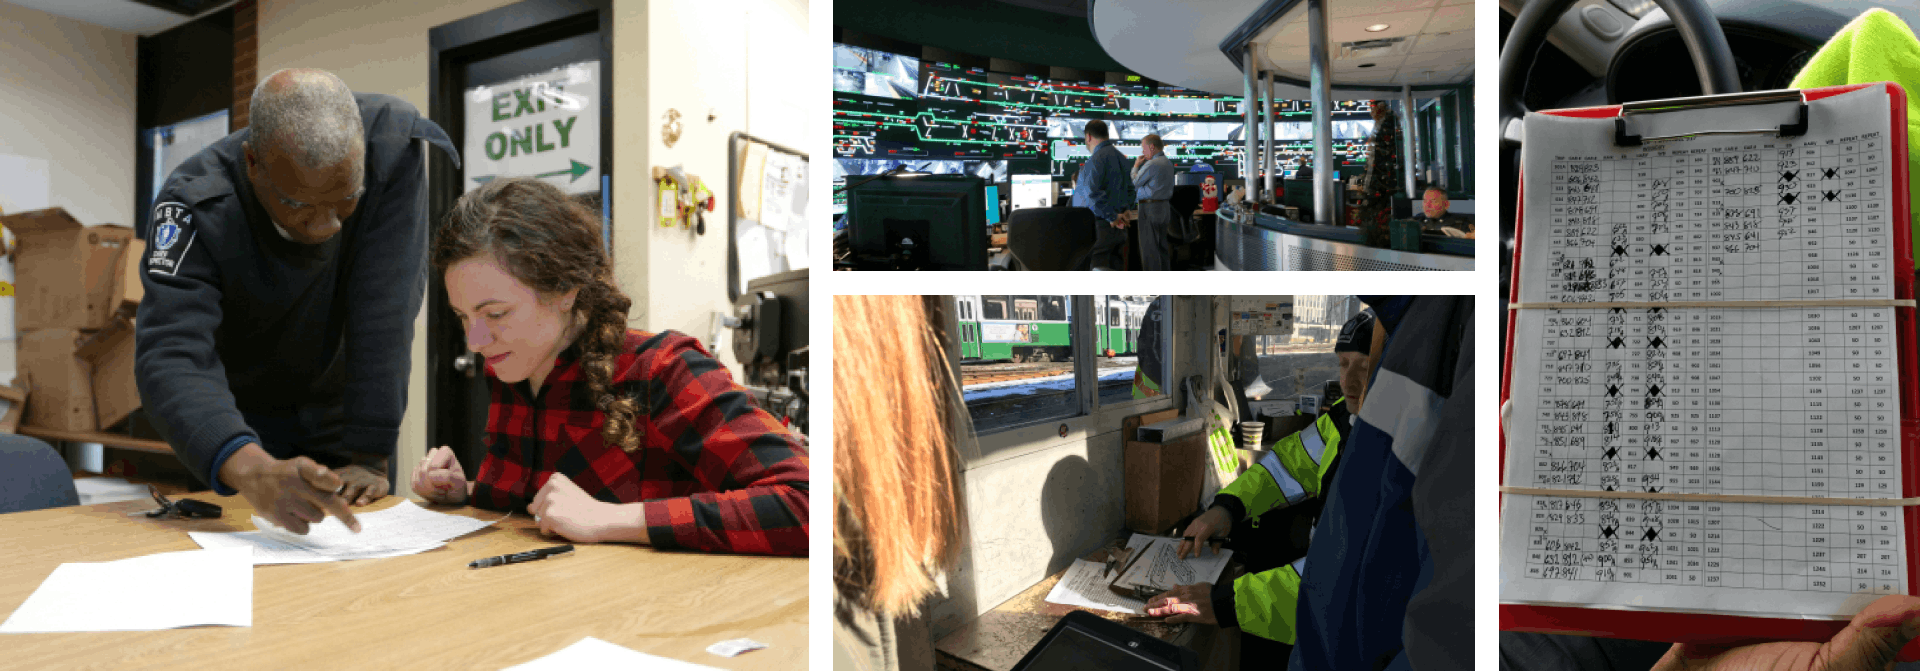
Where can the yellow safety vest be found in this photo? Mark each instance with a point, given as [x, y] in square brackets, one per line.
[1290, 473]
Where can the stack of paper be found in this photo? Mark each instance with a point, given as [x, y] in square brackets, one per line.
[158, 591]
[401, 530]
[1085, 586]
[1086, 583]
[1161, 568]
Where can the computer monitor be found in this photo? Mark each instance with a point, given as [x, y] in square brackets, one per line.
[1032, 191]
[993, 204]
[925, 222]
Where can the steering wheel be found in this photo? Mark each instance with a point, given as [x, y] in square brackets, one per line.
[1706, 43]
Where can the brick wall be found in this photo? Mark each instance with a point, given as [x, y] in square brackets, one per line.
[245, 49]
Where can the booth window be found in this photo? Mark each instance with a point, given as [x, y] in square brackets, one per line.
[1017, 360]
[1123, 342]
[1020, 363]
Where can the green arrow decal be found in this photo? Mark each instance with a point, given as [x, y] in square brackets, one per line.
[578, 170]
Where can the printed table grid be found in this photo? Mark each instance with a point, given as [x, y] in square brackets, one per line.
[1768, 401]
[1706, 544]
[1772, 220]
[1649, 391]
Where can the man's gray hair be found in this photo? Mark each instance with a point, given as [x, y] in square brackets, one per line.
[309, 114]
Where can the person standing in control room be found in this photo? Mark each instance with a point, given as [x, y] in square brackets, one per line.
[1153, 183]
[1374, 208]
[1103, 186]
[287, 263]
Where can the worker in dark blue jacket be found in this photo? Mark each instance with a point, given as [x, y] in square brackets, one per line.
[1388, 580]
[286, 264]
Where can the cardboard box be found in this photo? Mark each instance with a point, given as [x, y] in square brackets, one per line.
[128, 292]
[1163, 480]
[15, 397]
[110, 353]
[66, 274]
[61, 395]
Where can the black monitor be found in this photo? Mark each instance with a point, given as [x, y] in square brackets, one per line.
[923, 222]
[1082, 641]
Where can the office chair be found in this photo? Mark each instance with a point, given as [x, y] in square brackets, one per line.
[1051, 238]
[33, 476]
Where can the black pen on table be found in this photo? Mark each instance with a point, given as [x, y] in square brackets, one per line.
[519, 557]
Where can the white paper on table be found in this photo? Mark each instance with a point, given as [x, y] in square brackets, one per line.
[593, 653]
[1788, 401]
[108, 490]
[268, 548]
[1085, 586]
[1162, 568]
[158, 591]
[401, 530]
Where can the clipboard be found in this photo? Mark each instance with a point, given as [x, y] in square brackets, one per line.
[1124, 562]
[1724, 629]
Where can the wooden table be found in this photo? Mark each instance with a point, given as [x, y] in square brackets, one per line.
[419, 611]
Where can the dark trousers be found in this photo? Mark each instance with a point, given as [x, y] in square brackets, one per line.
[1109, 246]
[1577, 653]
[1156, 218]
[1263, 654]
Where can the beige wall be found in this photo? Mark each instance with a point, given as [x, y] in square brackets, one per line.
[675, 54]
[67, 96]
[749, 73]
[67, 117]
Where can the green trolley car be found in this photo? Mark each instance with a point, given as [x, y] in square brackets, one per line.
[1037, 328]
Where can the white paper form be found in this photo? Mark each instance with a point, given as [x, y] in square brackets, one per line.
[1783, 401]
[401, 530]
[593, 653]
[1085, 586]
[1162, 568]
[157, 591]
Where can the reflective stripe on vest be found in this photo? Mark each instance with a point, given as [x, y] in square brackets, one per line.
[1143, 386]
[1312, 444]
[1289, 487]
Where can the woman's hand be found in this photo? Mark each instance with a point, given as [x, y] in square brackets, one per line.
[439, 479]
[1871, 641]
[563, 509]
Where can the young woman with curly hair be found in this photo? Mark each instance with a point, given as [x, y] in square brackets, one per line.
[601, 432]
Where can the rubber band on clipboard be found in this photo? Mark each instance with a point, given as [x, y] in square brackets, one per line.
[1708, 498]
[1859, 303]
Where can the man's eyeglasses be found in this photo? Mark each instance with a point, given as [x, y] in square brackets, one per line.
[181, 509]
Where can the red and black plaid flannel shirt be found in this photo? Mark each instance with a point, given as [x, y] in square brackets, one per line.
[714, 471]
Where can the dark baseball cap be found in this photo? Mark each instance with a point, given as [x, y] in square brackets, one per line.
[1357, 334]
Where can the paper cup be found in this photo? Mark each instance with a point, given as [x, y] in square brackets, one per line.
[1250, 434]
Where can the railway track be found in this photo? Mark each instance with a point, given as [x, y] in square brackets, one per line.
[1007, 372]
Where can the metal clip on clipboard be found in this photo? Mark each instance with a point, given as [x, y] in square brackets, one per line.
[1125, 561]
[1622, 139]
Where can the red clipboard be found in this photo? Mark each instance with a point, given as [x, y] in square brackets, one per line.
[1709, 629]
